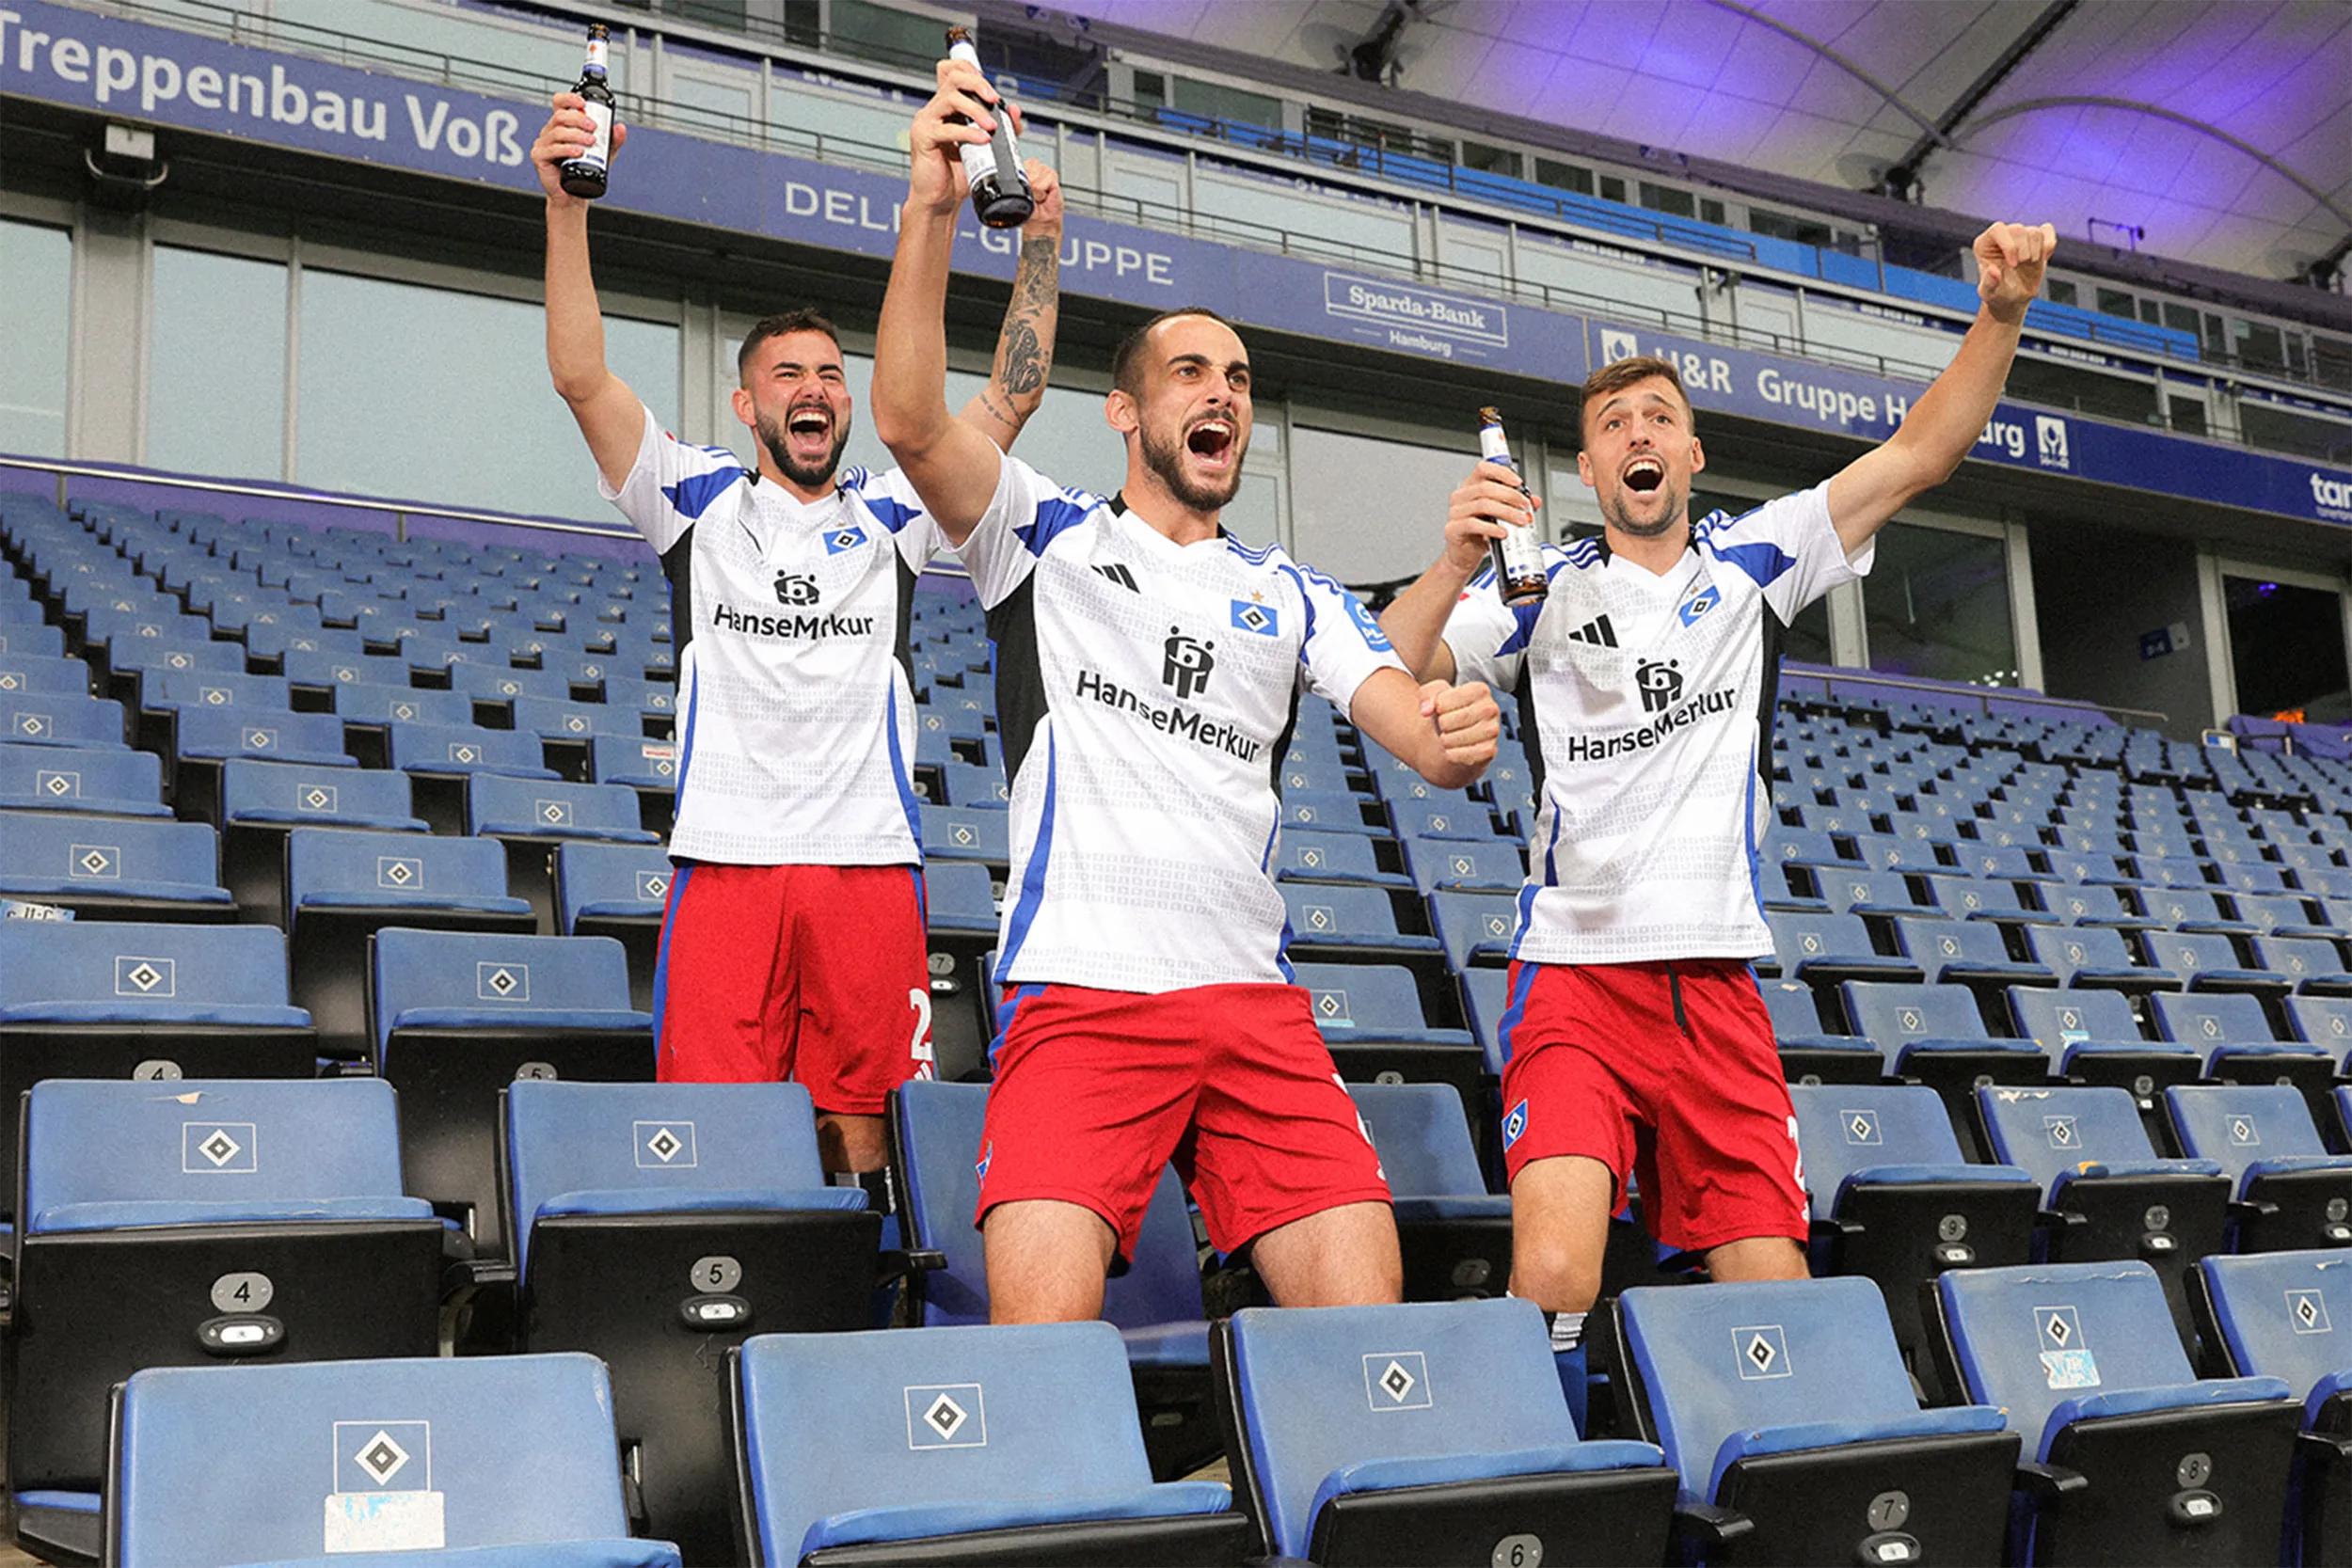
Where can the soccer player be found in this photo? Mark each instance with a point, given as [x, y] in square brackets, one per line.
[1148, 670]
[1637, 1042]
[792, 945]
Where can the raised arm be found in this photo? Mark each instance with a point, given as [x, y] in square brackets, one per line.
[1945, 424]
[1448, 733]
[1024, 345]
[1415, 620]
[608, 413]
[952, 464]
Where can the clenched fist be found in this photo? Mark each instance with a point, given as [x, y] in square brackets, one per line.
[567, 133]
[1468, 722]
[2009, 261]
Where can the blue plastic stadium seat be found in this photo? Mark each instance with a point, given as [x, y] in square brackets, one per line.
[1821, 948]
[456, 1016]
[2233, 1032]
[2209, 961]
[1332, 812]
[344, 885]
[27, 675]
[1456, 1235]
[106, 782]
[259, 803]
[510, 1458]
[987, 1440]
[1155, 1304]
[639, 1209]
[2091, 1153]
[967, 833]
[374, 705]
[574, 721]
[1788, 1405]
[1418, 1432]
[2266, 1141]
[619, 891]
[156, 1223]
[2102, 1389]
[1965, 952]
[60, 718]
[1349, 859]
[455, 749]
[1333, 923]
[1474, 928]
[1937, 1033]
[2277, 1315]
[120, 868]
[1889, 1182]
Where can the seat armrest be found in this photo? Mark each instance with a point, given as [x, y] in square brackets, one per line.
[1707, 1526]
[2042, 1484]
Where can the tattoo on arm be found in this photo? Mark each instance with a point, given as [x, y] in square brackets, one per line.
[1024, 354]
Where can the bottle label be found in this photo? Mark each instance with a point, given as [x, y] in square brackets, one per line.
[602, 153]
[600, 54]
[1493, 448]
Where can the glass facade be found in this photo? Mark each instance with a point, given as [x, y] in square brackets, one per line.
[1936, 606]
[216, 366]
[37, 282]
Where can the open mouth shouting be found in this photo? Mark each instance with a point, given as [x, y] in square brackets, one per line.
[810, 429]
[1213, 442]
[1643, 474]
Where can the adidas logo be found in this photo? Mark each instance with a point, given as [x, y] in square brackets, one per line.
[1598, 632]
[1121, 576]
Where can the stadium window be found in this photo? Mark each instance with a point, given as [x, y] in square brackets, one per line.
[2331, 362]
[1710, 211]
[1150, 90]
[2152, 312]
[2115, 301]
[879, 31]
[2188, 415]
[1563, 177]
[1782, 226]
[2062, 291]
[1490, 160]
[2276, 429]
[1219, 102]
[38, 261]
[1611, 188]
[1936, 606]
[216, 365]
[2259, 346]
[461, 380]
[1667, 199]
[1806, 638]
[2286, 646]
[2181, 318]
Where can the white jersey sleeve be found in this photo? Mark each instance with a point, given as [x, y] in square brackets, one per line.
[1343, 644]
[672, 483]
[1788, 546]
[1022, 519]
[1487, 636]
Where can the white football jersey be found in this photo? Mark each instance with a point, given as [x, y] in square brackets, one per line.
[1145, 692]
[795, 704]
[1646, 704]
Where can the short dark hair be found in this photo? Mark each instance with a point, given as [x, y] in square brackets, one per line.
[1124, 358]
[799, 320]
[1616, 378]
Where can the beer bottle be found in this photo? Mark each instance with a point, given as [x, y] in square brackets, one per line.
[1518, 555]
[1000, 191]
[584, 175]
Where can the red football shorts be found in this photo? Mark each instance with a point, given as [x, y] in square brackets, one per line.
[811, 972]
[1667, 1071]
[1096, 1090]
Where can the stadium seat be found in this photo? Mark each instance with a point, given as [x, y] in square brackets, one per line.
[934, 1132]
[1470, 1454]
[368, 710]
[1894, 1203]
[344, 885]
[1474, 928]
[2291, 1192]
[960, 929]
[1372, 1020]
[2109, 1195]
[2314, 965]
[619, 891]
[262, 801]
[1825, 949]
[211, 738]
[2233, 1032]
[165, 694]
[2208, 961]
[968, 833]
[1455, 1236]
[1936, 1033]
[1356, 925]
[959, 1446]
[456, 1016]
[1349, 859]
[1465, 865]
[2132, 1458]
[60, 718]
[114, 868]
[93, 781]
[502, 1462]
[1335, 811]
[2275, 1315]
[2094, 958]
[36, 675]
[219, 1221]
[1809, 1053]
[1787, 1410]
[533, 817]
[2094, 1039]
[1969, 953]
[657, 1227]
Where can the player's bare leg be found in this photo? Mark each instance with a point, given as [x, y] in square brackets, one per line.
[1753, 1258]
[1342, 1256]
[1560, 1231]
[1047, 1261]
[850, 1143]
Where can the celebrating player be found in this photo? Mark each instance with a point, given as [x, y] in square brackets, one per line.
[792, 945]
[1149, 667]
[1636, 1039]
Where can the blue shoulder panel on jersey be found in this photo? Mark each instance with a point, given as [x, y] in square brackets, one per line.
[1055, 514]
[1364, 621]
[1762, 561]
[892, 513]
[692, 495]
[1306, 603]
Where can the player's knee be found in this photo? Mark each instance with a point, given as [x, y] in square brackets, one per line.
[1555, 1272]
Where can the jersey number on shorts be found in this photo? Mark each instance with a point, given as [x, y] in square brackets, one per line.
[919, 1048]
